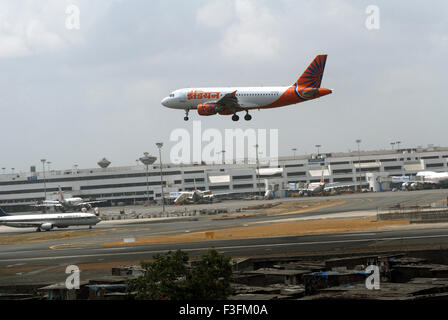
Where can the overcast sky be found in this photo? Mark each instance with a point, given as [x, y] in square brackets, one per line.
[78, 95]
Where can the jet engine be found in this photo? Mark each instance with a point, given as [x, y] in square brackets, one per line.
[46, 226]
[207, 109]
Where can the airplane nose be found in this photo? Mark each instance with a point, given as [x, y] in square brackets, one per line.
[165, 101]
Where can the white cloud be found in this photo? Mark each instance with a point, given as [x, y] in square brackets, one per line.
[33, 27]
[11, 46]
[215, 14]
[134, 53]
[252, 35]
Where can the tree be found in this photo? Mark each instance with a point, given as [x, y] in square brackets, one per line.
[210, 278]
[168, 277]
[161, 279]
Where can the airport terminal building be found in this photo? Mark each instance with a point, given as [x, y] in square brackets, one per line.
[133, 184]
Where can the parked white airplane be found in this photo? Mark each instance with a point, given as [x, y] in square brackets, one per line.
[317, 187]
[48, 221]
[433, 177]
[67, 203]
[193, 197]
[230, 100]
[314, 187]
[427, 178]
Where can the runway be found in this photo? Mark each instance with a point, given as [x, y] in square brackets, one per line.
[46, 265]
[29, 257]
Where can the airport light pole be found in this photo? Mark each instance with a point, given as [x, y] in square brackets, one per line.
[135, 196]
[4, 170]
[294, 150]
[160, 145]
[392, 144]
[45, 182]
[258, 171]
[398, 149]
[358, 141]
[318, 146]
[223, 156]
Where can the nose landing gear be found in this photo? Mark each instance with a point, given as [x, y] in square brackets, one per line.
[186, 114]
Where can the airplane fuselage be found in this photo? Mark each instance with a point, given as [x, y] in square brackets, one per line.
[68, 201]
[49, 221]
[433, 177]
[248, 97]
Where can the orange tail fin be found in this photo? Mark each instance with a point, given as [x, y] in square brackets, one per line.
[312, 76]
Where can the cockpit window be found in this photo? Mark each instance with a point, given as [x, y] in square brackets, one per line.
[172, 95]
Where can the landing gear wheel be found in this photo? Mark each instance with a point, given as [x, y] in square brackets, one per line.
[186, 118]
[38, 230]
[186, 114]
[235, 117]
[247, 117]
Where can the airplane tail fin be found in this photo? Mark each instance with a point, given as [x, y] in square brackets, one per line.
[312, 76]
[3, 213]
[61, 195]
[322, 180]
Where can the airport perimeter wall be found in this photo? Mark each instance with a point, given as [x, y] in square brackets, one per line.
[417, 216]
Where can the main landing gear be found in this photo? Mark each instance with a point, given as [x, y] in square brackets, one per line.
[247, 117]
[186, 114]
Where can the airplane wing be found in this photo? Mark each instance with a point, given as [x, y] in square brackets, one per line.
[337, 187]
[90, 202]
[182, 197]
[229, 102]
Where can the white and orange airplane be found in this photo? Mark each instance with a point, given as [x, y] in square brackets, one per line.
[68, 203]
[230, 100]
